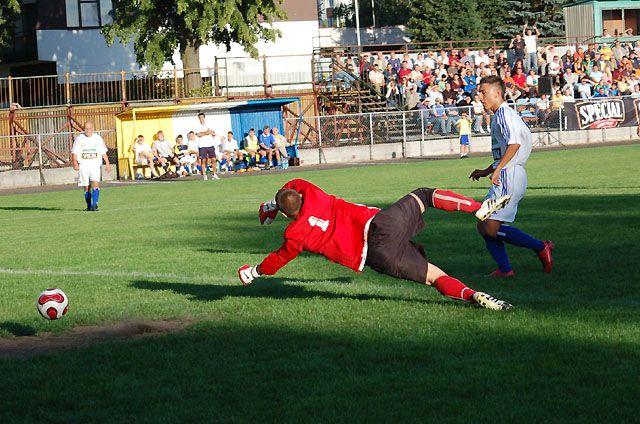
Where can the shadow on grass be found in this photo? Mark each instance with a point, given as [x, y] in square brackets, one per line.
[28, 208]
[275, 288]
[331, 372]
[17, 329]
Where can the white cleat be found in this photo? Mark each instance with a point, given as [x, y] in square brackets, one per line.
[215, 177]
[489, 206]
[489, 302]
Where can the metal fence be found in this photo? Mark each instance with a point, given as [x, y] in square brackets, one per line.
[229, 76]
[45, 150]
[420, 125]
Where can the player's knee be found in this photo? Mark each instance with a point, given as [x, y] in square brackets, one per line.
[486, 229]
[425, 195]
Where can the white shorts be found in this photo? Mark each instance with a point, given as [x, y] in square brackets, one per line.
[513, 181]
[187, 160]
[87, 174]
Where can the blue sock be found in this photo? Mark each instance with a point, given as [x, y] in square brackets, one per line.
[96, 195]
[498, 252]
[514, 236]
[87, 198]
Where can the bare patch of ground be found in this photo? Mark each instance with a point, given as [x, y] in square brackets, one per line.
[46, 343]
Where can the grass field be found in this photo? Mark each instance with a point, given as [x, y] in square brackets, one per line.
[318, 342]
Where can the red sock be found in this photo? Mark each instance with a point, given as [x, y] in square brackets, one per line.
[452, 287]
[451, 201]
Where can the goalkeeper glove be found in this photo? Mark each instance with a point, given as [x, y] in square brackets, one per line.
[268, 212]
[247, 274]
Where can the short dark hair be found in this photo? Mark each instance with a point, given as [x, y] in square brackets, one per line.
[190, 132]
[230, 132]
[252, 130]
[140, 135]
[179, 136]
[200, 114]
[496, 81]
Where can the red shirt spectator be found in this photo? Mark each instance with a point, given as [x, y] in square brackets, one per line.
[404, 72]
[520, 79]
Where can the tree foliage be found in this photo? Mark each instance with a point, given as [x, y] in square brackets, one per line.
[387, 12]
[547, 14]
[159, 27]
[445, 20]
[9, 9]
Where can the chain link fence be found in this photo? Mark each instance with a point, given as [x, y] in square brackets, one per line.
[423, 124]
[44, 150]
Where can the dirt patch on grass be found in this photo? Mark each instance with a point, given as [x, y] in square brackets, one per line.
[42, 344]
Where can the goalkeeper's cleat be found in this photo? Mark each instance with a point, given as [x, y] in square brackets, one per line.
[490, 206]
[545, 256]
[489, 302]
[499, 274]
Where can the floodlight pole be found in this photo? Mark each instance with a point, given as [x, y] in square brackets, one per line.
[357, 7]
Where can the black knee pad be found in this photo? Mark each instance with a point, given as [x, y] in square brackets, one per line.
[425, 194]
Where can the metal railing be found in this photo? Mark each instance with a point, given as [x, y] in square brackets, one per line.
[44, 150]
[229, 77]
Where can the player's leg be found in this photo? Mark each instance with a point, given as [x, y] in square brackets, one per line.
[451, 201]
[95, 195]
[87, 196]
[496, 248]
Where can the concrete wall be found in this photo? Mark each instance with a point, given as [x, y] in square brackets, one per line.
[58, 176]
[451, 146]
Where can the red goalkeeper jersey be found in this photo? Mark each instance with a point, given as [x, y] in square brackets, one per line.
[326, 225]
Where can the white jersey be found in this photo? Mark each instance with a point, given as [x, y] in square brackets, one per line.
[205, 140]
[507, 127]
[89, 150]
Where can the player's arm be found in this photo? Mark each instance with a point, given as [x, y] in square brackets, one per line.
[481, 173]
[289, 250]
[511, 151]
[106, 162]
[74, 161]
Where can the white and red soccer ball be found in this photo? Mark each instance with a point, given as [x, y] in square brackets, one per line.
[52, 304]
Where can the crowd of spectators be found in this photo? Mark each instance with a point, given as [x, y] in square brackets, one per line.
[205, 152]
[438, 82]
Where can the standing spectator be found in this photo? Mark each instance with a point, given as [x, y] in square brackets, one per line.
[281, 143]
[395, 62]
[405, 71]
[531, 48]
[206, 147]
[163, 153]
[87, 155]
[518, 46]
[376, 78]
[381, 61]
[464, 131]
[266, 144]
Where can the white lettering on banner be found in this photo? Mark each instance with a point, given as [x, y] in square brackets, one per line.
[591, 113]
[320, 223]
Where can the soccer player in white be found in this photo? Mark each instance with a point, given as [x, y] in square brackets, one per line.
[511, 147]
[86, 156]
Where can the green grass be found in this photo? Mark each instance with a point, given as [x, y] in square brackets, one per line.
[318, 342]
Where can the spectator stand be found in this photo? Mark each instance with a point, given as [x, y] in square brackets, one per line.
[174, 120]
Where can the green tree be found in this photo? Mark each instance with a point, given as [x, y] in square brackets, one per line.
[159, 27]
[445, 20]
[547, 14]
[9, 9]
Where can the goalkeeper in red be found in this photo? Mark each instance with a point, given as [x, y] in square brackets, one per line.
[356, 235]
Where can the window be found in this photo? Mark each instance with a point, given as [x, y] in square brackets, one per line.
[88, 13]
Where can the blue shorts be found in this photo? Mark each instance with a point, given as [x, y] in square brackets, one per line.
[464, 140]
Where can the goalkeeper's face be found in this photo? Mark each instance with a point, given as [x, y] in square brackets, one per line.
[289, 202]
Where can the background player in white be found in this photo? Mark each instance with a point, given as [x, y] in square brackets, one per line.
[511, 147]
[86, 156]
[206, 147]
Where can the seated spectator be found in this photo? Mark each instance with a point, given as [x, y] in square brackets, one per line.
[600, 92]
[553, 70]
[143, 155]
[613, 91]
[542, 107]
[557, 100]
[394, 98]
[452, 113]
[584, 88]
[251, 148]
[433, 94]
[404, 71]
[532, 81]
[381, 61]
[520, 80]
[281, 144]
[469, 82]
[389, 73]
[595, 75]
[376, 78]
[163, 153]
[412, 99]
[449, 92]
[229, 152]
[439, 116]
[456, 82]
[187, 153]
[266, 144]
[395, 62]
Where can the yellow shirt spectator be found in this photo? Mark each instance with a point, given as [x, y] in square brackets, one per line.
[464, 126]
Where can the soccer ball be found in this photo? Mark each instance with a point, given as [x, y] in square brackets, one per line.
[52, 304]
